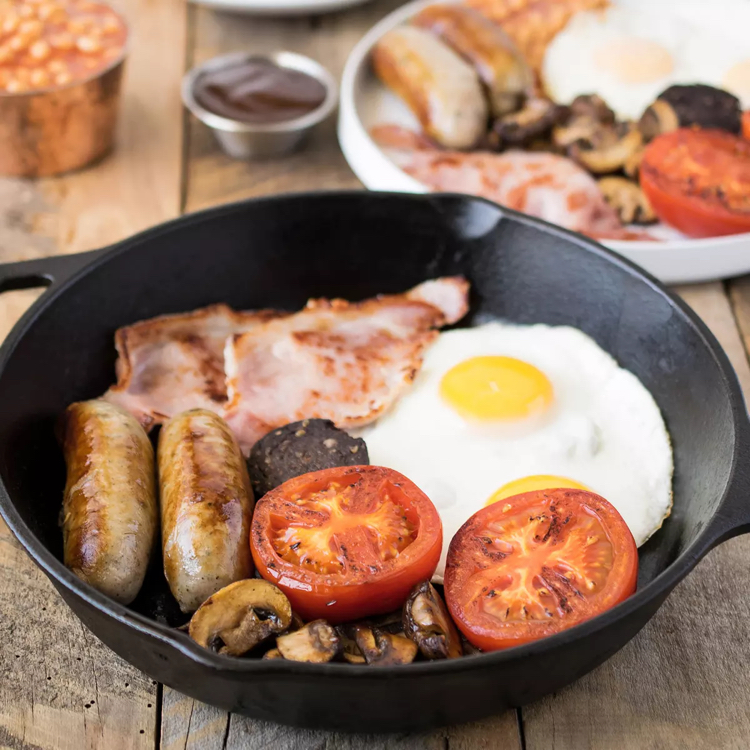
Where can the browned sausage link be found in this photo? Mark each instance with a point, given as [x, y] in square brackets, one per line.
[206, 504]
[484, 44]
[441, 89]
[110, 513]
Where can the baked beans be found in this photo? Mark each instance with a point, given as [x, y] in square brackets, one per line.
[49, 43]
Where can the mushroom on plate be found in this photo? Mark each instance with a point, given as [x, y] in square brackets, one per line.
[658, 118]
[593, 107]
[609, 150]
[592, 137]
[627, 198]
[534, 120]
[316, 642]
[349, 648]
[240, 616]
[632, 166]
[427, 622]
[383, 649]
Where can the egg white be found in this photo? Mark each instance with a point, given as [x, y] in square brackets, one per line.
[604, 430]
[698, 36]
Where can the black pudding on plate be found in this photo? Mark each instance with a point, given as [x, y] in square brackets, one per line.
[299, 448]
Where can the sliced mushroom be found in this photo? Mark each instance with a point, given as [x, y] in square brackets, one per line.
[593, 107]
[632, 166]
[240, 616]
[537, 118]
[577, 129]
[428, 624]
[660, 117]
[390, 623]
[469, 649]
[316, 642]
[349, 648]
[383, 649]
[613, 152]
[274, 653]
[628, 200]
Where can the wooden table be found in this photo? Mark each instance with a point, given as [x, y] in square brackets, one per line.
[683, 683]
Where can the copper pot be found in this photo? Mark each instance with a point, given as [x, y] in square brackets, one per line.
[48, 132]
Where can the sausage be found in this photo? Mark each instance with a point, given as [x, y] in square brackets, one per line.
[485, 45]
[206, 504]
[442, 90]
[110, 514]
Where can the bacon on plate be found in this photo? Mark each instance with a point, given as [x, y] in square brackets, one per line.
[540, 184]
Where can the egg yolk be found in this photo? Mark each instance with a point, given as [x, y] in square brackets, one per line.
[496, 388]
[533, 484]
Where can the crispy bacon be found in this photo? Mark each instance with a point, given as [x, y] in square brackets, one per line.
[343, 361]
[176, 362]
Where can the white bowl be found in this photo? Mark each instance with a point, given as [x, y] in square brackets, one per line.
[366, 102]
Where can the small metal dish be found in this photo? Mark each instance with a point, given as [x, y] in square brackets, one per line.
[242, 140]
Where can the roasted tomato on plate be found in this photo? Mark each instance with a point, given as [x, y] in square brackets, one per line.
[346, 543]
[535, 564]
[698, 181]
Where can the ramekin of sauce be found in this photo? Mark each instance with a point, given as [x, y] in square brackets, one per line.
[260, 106]
[61, 64]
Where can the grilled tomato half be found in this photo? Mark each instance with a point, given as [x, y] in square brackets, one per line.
[698, 181]
[538, 563]
[347, 542]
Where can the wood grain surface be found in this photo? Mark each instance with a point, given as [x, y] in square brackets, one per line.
[60, 688]
[681, 684]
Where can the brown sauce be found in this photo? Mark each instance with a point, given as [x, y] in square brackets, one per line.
[258, 91]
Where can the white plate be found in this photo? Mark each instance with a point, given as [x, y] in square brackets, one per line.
[366, 102]
[280, 7]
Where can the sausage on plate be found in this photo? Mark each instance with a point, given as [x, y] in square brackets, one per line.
[441, 89]
[206, 504]
[110, 513]
[486, 46]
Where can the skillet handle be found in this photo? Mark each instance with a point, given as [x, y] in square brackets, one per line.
[733, 515]
[55, 269]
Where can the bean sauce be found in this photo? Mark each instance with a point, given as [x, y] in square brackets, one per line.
[51, 43]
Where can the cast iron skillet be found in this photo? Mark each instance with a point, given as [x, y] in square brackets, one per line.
[277, 252]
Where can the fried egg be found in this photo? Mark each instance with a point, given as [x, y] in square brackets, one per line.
[501, 409]
[632, 51]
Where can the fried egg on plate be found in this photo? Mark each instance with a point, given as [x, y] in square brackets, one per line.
[502, 409]
[633, 50]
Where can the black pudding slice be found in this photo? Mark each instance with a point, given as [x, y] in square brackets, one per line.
[301, 447]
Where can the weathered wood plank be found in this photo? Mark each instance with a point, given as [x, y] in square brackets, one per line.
[682, 682]
[188, 724]
[140, 185]
[60, 688]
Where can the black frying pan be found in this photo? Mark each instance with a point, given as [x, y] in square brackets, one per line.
[277, 252]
